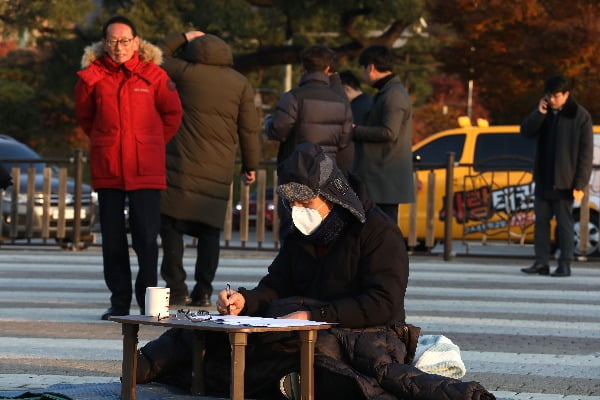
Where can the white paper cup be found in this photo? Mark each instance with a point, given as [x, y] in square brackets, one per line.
[157, 301]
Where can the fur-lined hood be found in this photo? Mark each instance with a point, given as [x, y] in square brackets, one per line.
[147, 52]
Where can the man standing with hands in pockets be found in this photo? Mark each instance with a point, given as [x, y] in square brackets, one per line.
[130, 109]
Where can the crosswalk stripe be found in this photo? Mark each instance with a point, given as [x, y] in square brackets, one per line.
[439, 325]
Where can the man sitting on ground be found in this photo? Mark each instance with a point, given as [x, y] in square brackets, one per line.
[344, 262]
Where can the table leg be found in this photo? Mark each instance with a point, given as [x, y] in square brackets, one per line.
[130, 341]
[307, 357]
[199, 350]
[238, 342]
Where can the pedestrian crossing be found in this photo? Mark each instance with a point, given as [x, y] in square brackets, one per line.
[522, 337]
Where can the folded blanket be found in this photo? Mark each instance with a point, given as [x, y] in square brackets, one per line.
[436, 354]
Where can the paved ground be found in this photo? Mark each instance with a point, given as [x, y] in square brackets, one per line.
[522, 337]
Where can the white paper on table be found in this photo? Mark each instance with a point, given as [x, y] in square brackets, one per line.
[259, 321]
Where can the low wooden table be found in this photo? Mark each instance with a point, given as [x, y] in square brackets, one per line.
[238, 336]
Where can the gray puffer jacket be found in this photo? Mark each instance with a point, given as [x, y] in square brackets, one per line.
[313, 112]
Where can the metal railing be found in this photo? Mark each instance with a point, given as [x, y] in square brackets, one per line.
[50, 206]
[254, 214]
[45, 203]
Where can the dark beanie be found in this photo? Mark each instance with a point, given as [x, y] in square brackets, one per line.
[308, 172]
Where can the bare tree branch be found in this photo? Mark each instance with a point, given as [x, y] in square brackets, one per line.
[347, 22]
[392, 33]
[266, 57]
[289, 54]
[260, 3]
[281, 55]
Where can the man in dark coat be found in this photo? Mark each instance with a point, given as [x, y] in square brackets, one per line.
[218, 116]
[360, 102]
[384, 142]
[345, 263]
[563, 165]
[315, 111]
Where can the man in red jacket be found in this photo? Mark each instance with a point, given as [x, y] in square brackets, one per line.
[130, 109]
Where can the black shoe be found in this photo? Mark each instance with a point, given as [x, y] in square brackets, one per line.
[563, 269]
[180, 301]
[289, 386]
[537, 269]
[113, 311]
[202, 301]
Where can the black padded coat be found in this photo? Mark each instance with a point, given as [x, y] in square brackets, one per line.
[359, 282]
[574, 145]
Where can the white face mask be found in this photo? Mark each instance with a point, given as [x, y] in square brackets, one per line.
[307, 220]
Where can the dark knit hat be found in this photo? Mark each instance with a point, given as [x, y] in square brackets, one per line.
[308, 172]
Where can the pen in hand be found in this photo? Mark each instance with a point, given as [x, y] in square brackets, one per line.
[228, 295]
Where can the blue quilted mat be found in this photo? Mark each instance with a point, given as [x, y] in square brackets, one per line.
[104, 391]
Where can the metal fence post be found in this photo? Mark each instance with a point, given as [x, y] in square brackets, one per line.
[14, 203]
[77, 205]
[412, 217]
[430, 219]
[584, 223]
[449, 206]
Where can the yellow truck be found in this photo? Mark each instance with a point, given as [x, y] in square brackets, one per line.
[493, 187]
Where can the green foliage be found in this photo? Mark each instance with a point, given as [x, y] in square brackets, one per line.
[264, 36]
[19, 115]
[54, 18]
[510, 48]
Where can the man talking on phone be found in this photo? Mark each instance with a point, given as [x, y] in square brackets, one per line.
[563, 164]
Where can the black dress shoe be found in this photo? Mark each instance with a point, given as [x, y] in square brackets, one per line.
[202, 301]
[537, 269]
[113, 311]
[563, 269]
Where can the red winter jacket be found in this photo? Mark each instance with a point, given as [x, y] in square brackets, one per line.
[129, 111]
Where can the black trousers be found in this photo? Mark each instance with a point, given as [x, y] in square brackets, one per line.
[565, 235]
[207, 256]
[144, 225]
[269, 357]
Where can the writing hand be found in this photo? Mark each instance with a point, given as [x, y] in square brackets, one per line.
[235, 302]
